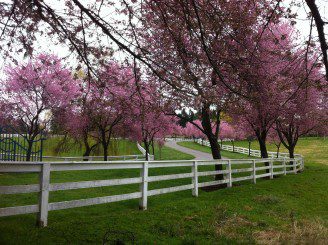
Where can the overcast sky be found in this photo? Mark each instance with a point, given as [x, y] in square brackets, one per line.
[303, 24]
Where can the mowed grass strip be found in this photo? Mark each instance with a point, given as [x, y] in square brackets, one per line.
[314, 149]
[55, 146]
[59, 146]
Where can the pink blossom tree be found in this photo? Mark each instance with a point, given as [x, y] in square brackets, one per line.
[271, 77]
[150, 127]
[274, 138]
[305, 112]
[228, 132]
[109, 101]
[148, 120]
[191, 131]
[197, 45]
[76, 123]
[33, 90]
[232, 132]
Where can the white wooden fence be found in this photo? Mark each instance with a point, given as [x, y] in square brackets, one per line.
[232, 167]
[143, 151]
[87, 158]
[246, 151]
[100, 158]
[178, 139]
[94, 158]
[81, 158]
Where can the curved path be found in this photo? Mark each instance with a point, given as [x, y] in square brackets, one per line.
[199, 155]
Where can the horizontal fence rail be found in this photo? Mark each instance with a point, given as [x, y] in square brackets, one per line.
[246, 151]
[20, 157]
[254, 168]
[143, 151]
[96, 158]
[100, 158]
[178, 139]
[85, 158]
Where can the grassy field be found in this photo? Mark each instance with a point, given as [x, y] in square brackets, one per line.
[315, 149]
[53, 147]
[290, 208]
[167, 153]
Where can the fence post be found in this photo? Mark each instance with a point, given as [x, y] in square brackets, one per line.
[271, 169]
[44, 195]
[294, 166]
[229, 174]
[144, 187]
[14, 158]
[195, 179]
[254, 172]
[284, 163]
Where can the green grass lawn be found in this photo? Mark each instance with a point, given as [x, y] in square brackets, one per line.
[53, 146]
[291, 208]
[314, 149]
[168, 153]
[118, 147]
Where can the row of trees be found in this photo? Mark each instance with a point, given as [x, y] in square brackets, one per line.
[235, 58]
[228, 59]
[43, 94]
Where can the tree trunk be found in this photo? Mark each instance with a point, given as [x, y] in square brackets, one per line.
[233, 146]
[153, 147]
[215, 148]
[291, 150]
[29, 150]
[105, 143]
[263, 148]
[321, 32]
[278, 148]
[88, 149]
[289, 141]
[105, 150]
[86, 154]
[147, 149]
[249, 148]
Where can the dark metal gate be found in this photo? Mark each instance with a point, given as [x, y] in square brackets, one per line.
[14, 145]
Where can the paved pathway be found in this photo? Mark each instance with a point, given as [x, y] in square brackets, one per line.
[199, 155]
